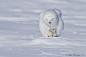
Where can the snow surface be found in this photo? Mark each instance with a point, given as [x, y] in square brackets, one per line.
[20, 35]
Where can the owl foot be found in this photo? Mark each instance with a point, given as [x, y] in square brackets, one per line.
[52, 32]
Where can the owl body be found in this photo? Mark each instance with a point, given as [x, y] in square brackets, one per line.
[51, 23]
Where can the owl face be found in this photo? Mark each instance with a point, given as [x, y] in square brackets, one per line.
[50, 18]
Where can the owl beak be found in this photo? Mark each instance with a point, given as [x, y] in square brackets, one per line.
[49, 22]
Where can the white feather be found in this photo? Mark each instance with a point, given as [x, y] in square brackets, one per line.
[53, 16]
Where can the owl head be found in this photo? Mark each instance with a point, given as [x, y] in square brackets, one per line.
[50, 17]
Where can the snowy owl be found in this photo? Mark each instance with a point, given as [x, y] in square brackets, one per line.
[50, 23]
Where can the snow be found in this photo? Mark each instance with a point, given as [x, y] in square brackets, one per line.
[20, 35]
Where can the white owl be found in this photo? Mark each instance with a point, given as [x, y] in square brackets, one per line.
[51, 23]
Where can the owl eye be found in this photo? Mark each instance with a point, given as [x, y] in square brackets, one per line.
[52, 19]
[46, 19]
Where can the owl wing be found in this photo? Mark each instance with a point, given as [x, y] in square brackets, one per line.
[60, 26]
[43, 28]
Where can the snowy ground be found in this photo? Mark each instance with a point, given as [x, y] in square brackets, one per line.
[20, 35]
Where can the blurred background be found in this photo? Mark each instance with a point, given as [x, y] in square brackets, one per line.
[25, 10]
